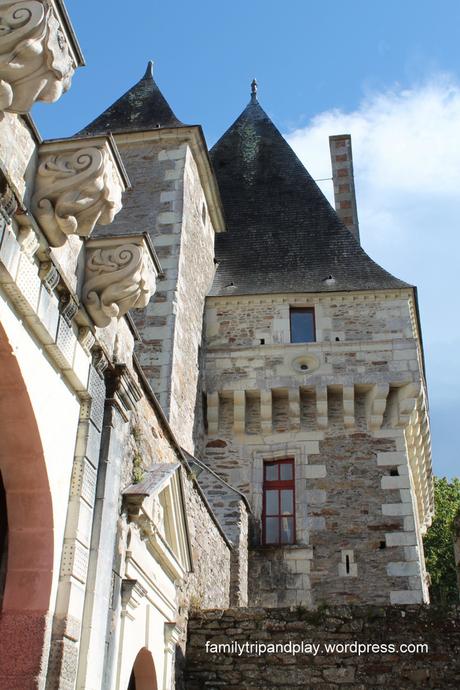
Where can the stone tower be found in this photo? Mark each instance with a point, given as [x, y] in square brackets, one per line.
[315, 386]
[175, 201]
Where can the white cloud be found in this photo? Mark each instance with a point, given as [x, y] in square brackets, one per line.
[406, 153]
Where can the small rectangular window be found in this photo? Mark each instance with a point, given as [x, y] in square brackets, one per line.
[278, 514]
[302, 320]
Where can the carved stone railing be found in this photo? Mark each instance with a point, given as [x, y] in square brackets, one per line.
[38, 53]
[79, 183]
[120, 275]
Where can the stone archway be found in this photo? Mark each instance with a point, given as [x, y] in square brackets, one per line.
[143, 676]
[29, 523]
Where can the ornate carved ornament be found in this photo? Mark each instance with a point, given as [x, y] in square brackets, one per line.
[38, 53]
[120, 275]
[79, 183]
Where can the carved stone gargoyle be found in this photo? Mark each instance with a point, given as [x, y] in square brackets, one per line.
[38, 53]
[79, 183]
[120, 275]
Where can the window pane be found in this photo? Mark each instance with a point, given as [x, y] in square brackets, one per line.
[286, 471]
[287, 502]
[271, 503]
[302, 326]
[287, 530]
[271, 473]
[272, 530]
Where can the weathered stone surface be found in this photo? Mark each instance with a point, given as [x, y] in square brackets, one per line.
[434, 664]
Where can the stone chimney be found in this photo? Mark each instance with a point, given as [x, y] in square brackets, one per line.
[344, 183]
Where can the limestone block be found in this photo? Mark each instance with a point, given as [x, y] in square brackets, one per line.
[79, 183]
[239, 411]
[120, 275]
[38, 54]
[266, 411]
[400, 539]
[409, 523]
[405, 596]
[391, 458]
[321, 407]
[315, 471]
[395, 509]
[395, 482]
[403, 569]
[294, 409]
[376, 401]
[349, 406]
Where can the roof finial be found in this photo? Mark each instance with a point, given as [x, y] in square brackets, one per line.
[149, 71]
[254, 90]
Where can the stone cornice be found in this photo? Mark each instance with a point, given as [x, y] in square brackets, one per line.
[120, 275]
[79, 183]
[38, 53]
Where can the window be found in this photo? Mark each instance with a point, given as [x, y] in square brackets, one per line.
[278, 518]
[302, 321]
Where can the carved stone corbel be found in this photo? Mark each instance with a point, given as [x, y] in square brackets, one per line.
[120, 275]
[38, 53]
[79, 183]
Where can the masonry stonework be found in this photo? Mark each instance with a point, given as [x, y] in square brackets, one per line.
[434, 665]
[132, 469]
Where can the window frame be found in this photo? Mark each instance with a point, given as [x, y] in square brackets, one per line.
[278, 485]
[302, 310]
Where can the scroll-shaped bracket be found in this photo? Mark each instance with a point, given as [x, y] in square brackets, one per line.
[38, 53]
[120, 275]
[79, 183]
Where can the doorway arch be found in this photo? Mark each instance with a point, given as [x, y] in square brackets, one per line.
[143, 675]
[28, 521]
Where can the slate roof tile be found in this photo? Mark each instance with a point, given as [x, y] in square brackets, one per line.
[140, 109]
[282, 233]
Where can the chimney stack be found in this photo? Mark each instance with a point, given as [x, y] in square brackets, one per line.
[344, 183]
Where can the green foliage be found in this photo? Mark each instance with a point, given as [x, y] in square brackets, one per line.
[439, 550]
[138, 468]
[138, 465]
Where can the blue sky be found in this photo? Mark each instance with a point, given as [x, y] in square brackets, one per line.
[388, 73]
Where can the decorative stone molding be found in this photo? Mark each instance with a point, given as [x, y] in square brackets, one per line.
[79, 183]
[28, 241]
[86, 338]
[38, 53]
[132, 593]
[120, 275]
[49, 275]
[68, 308]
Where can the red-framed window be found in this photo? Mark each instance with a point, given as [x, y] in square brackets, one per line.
[278, 512]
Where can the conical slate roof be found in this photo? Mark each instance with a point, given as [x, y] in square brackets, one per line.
[140, 109]
[282, 233]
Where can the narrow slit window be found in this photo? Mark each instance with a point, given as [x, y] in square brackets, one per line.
[278, 515]
[302, 320]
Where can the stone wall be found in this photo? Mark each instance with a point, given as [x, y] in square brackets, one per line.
[350, 410]
[406, 668]
[168, 202]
